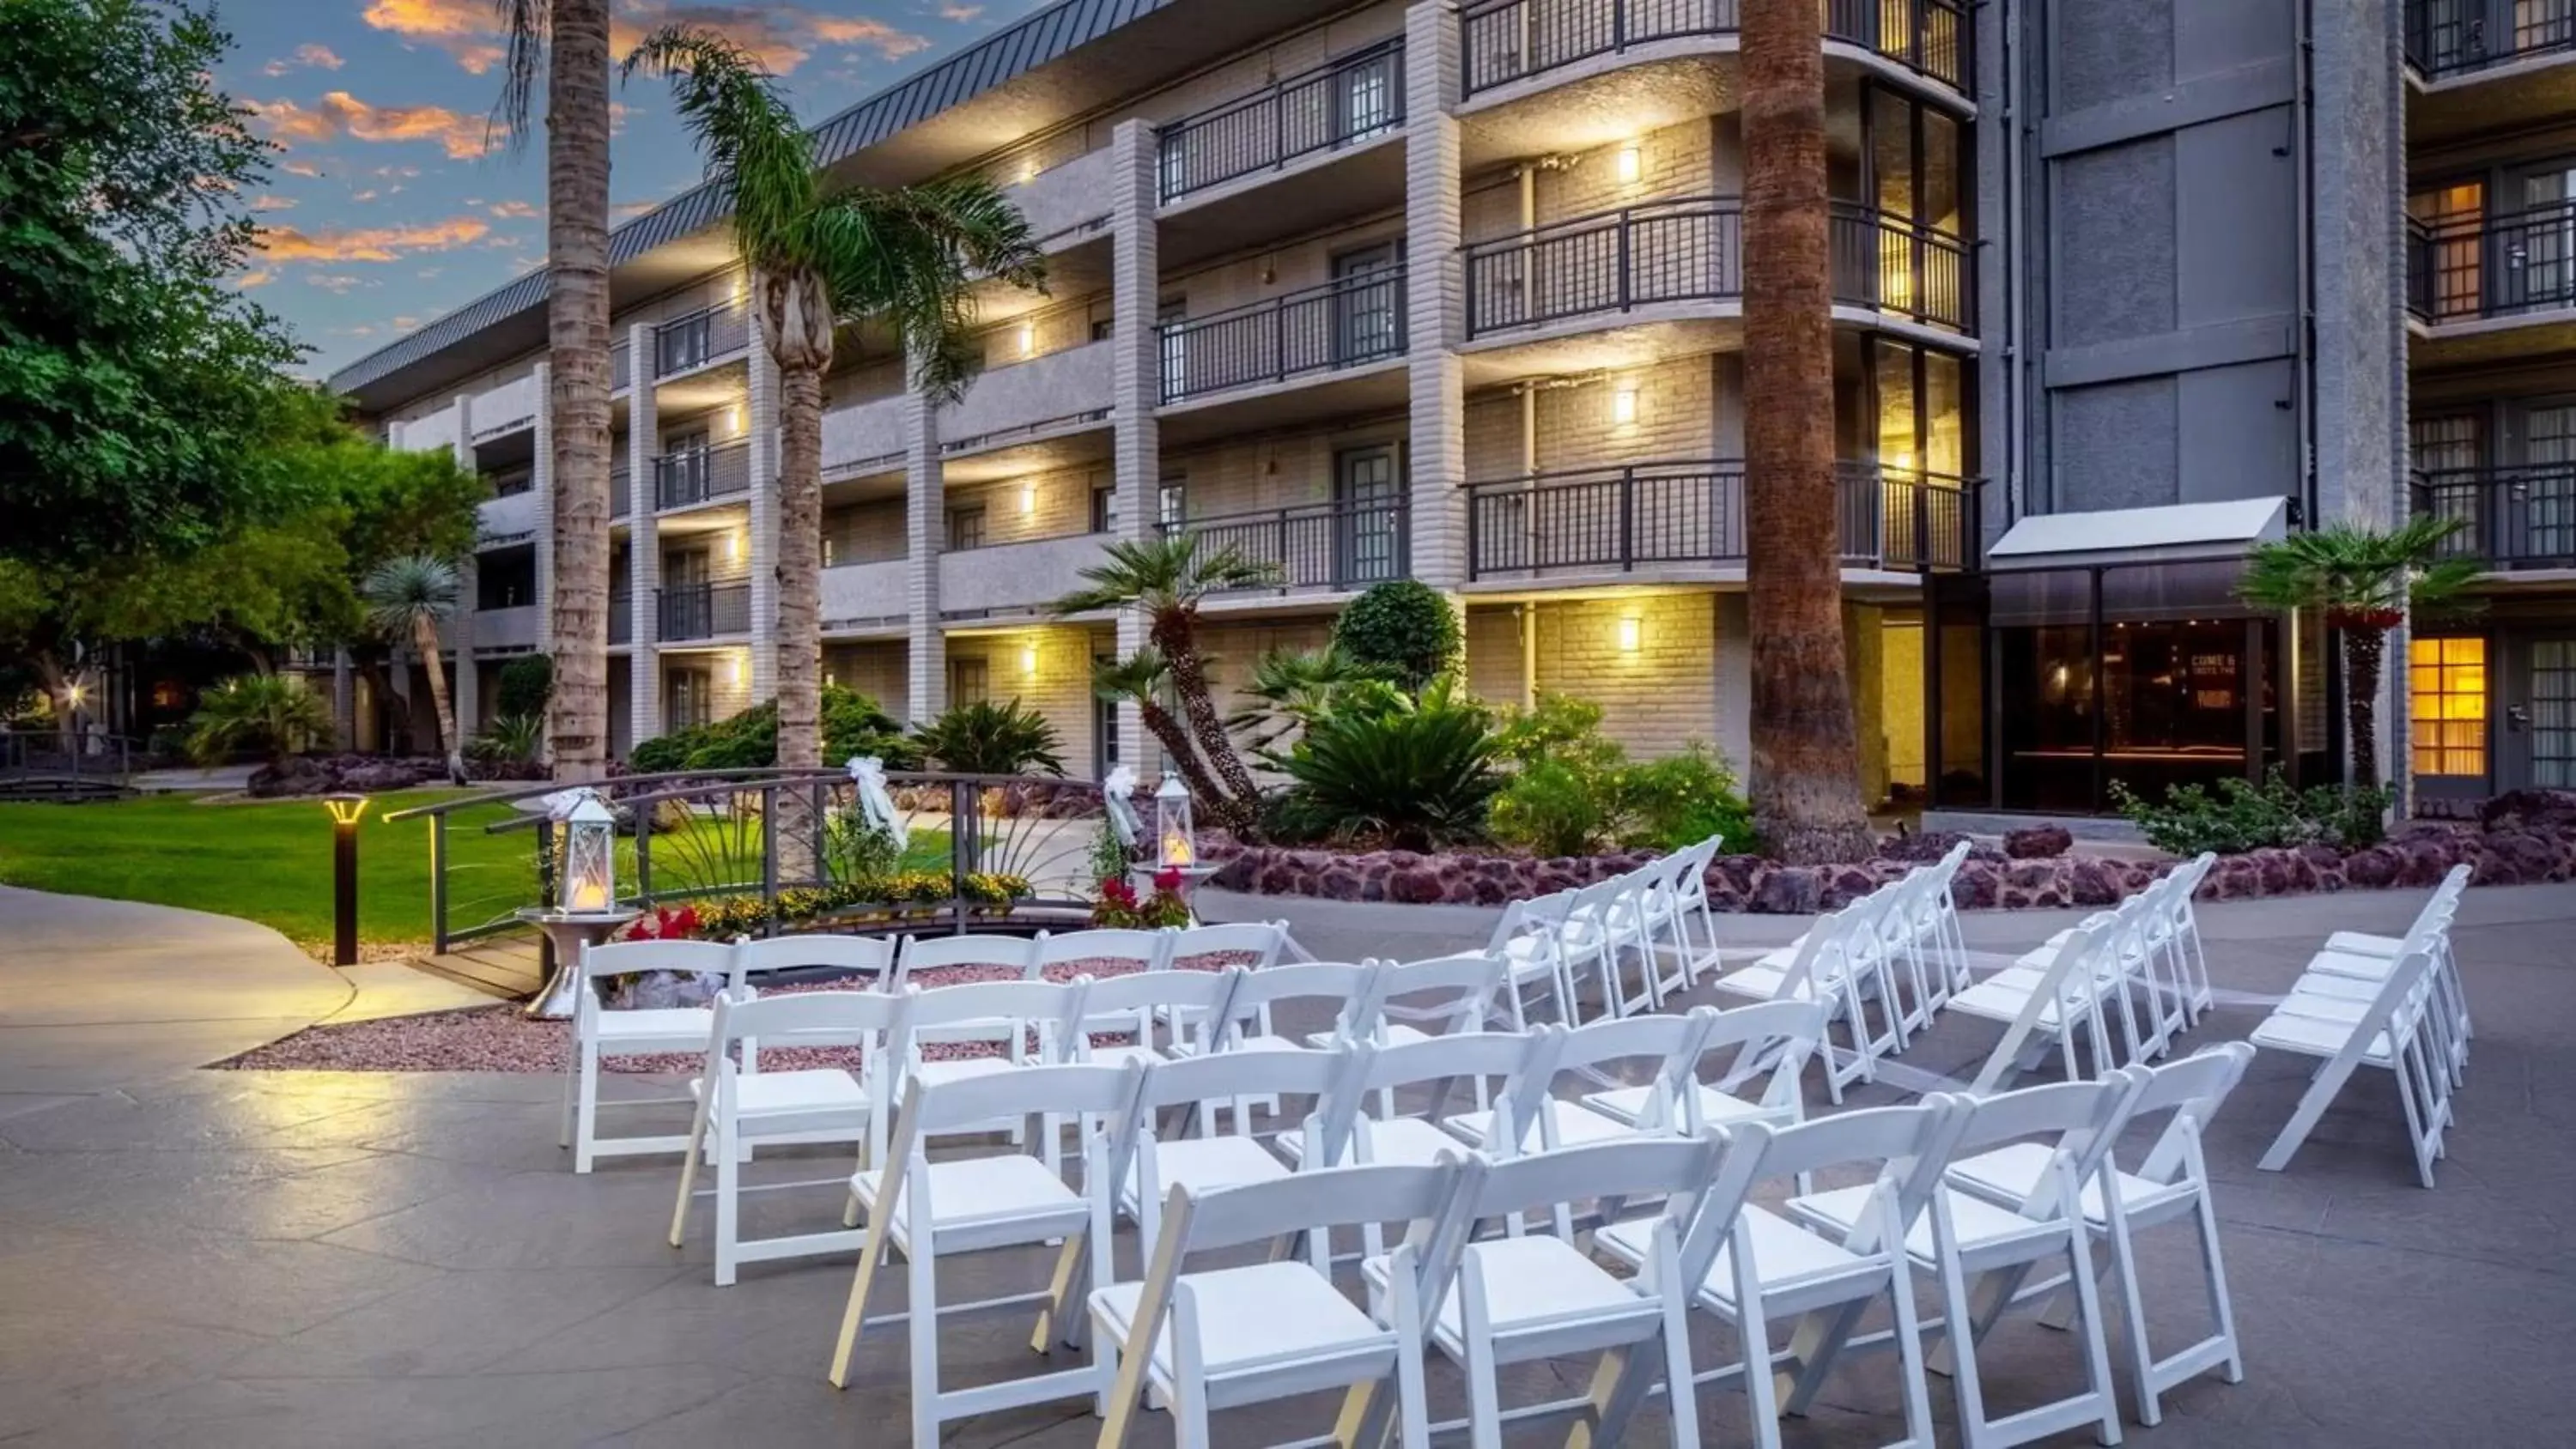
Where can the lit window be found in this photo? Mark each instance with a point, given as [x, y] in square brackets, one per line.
[2447, 680]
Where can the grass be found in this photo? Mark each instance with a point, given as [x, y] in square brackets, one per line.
[270, 861]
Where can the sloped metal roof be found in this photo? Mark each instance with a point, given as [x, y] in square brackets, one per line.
[1004, 56]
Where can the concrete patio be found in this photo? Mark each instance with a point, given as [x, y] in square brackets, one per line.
[219, 1258]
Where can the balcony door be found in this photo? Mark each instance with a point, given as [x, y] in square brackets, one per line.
[1367, 312]
[1364, 98]
[1368, 491]
[2452, 215]
[2545, 722]
[2543, 502]
[684, 468]
[2449, 451]
[2539, 246]
[688, 696]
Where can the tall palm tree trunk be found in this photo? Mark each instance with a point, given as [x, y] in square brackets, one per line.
[424, 638]
[577, 340]
[1806, 756]
[1238, 802]
[1175, 740]
[800, 567]
[2365, 655]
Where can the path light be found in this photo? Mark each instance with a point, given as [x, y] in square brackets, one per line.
[590, 857]
[346, 811]
[1179, 845]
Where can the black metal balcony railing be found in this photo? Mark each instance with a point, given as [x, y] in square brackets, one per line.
[1343, 323]
[2514, 518]
[1511, 40]
[700, 337]
[695, 475]
[2453, 37]
[2492, 266]
[703, 611]
[1664, 251]
[621, 369]
[1346, 544]
[1692, 512]
[621, 613]
[1891, 264]
[1356, 98]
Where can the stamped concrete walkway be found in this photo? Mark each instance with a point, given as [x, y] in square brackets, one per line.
[289, 1259]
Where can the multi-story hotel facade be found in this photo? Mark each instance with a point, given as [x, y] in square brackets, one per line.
[1453, 292]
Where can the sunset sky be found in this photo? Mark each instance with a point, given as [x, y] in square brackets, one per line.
[385, 209]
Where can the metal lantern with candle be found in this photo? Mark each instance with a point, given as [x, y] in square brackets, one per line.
[585, 912]
[1176, 845]
[589, 883]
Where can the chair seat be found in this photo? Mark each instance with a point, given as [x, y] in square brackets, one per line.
[1532, 1282]
[2358, 965]
[792, 1094]
[1784, 1254]
[2337, 988]
[1716, 1108]
[1205, 1164]
[654, 1028]
[1250, 1318]
[1996, 1001]
[1977, 1221]
[2015, 1169]
[1574, 1124]
[2324, 1006]
[2362, 943]
[1119, 1056]
[980, 1192]
[2309, 1037]
[1762, 983]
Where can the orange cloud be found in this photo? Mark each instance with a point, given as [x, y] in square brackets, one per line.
[299, 168]
[272, 203]
[959, 13]
[465, 29]
[339, 113]
[782, 36]
[369, 244]
[513, 209]
[308, 56]
[260, 278]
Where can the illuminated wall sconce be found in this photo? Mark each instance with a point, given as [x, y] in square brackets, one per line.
[733, 292]
[1028, 339]
[733, 417]
[1628, 164]
[1028, 170]
[1632, 633]
[1028, 661]
[733, 548]
[1028, 499]
[733, 669]
[1623, 407]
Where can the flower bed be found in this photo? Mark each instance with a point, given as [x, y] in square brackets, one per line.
[2525, 838]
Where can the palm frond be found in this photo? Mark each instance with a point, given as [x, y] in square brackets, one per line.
[742, 120]
[912, 257]
[2345, 569]
[403, 590]
[527, 26]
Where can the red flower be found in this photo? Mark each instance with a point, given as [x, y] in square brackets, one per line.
[1117, 891]
[1167, 880]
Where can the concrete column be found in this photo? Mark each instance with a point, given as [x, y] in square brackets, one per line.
[1136, 284]
[541, 488]
[460, 628]
[925, 518]
[644, 541]
[344, 700]
[762, 546]
[1435, 299]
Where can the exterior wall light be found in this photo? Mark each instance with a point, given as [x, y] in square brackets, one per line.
[1029, 660]
[1628, 164]
[1028, 339]
[1632, 633]
[1028, 500]
[1623, 407]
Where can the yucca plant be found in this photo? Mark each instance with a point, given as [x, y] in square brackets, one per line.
[985, 738]
[412, 595]
[271, 713]
[1418, 776]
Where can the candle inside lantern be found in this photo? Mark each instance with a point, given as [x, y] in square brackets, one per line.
[1176, 849]
[589, 895]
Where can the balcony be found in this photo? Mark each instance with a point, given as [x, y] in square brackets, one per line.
[621, 496]
[2514, 518]
[1667, 251]
[506, 629]
[506, 409]
[1337, 547]
[1900, 267]
[1357, 98]
[702, 611]
[621, 369]
[873, 592]
[621, 613]
[509, 516]
[1014, 578]
[1043, 395]
[1064, 199]
[1345, 323]
[1513, 40]
[2501, 266]
[2447, 38]
[711, 334]
[1691, 513]
[681, 480]
[865, 437]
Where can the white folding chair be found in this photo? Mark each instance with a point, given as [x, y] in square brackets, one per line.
[1419, 999]
[1264, 941]
[1222, 1338]
[997, 958]
[1748, 1265]
[1134, 1005]
[1161, 1160]
[997, 1022]
[599, 1032]
[1529, 939]
[1586, 943]
[2176, 930]
[2171, 1181]
[1503, 1073]
[740, 1107]
[1820, 968]
[2354, 963]
[2387, 1036]
[2048, 1007]
[1772, 1039]
[1642, 921]
[1938, 935]
[1664, 1049]
[1521, 1298]
[1689, 887]
[1102, 954]
[928, 1211]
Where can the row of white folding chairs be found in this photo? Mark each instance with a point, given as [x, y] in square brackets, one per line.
[1657, 917]
[600, 1032]
[1133, 1160]
[2391, 1003]
[1978, 1193]
[1899, 949]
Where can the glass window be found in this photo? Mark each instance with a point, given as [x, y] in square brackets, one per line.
[1171, 504]
[969, 681]
[1104, 509]
[965, 529]
[2447, 681]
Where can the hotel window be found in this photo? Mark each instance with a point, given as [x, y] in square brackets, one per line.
[1172, 504]
[2447, 680]
[970, 681]
[1104, 508]
[965, 529]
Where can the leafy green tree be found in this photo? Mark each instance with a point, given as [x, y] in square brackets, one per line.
[413, 594]
[134, 383]
[2362, 581]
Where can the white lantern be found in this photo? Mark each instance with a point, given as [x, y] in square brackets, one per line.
[1176, 846]
[589, 882]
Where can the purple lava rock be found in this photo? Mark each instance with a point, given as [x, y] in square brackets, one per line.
[1414, 887]
[1788, 890]
[1920, 847]
[2546, 811]
[2039, 842]
[2094, 883]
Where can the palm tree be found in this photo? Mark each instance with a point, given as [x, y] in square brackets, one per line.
[570, 39]
[821, 255]
[1806, 752]
[269, 712]
[1167, 577]
[412, 594]
[2362, 581]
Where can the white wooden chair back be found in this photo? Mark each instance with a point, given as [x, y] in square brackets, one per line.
[1671, 1044]
[1131, 1004]
[868, 958]
[1016, 954]
[1264, 941]
[1149, 950]
[1002, 1012]
[2066, 987]
[1443, 994]
[1353, 986]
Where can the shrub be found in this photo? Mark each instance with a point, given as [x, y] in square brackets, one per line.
[526, 683]
[852, 725]
[1549, 808]
[2242, 816]
[271, 713]
[985, 738]
[1577, 792]
[1119, 907]
[1403, 627]
[513, 738]
[1682, 800]
[1419, 777]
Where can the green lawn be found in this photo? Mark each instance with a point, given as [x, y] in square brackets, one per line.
[271, 861]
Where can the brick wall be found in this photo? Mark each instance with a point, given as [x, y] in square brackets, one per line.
[874, 669]
[1677, 416]
[869, 532]
[1041, 505]
[1654, 700]
[1271, 472]
[1058, 687]
[1049, 329]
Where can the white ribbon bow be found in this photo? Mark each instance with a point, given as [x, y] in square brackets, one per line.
[1118, 792]
[868, 773]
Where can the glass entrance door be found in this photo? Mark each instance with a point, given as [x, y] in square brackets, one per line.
[2540, 245]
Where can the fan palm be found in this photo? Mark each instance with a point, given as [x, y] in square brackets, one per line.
[820, 255]
[1145, 679]
[1167, 578]
[1291, 689]
[268, 712]
[569, 40]
[410, 595]
[2362, 582]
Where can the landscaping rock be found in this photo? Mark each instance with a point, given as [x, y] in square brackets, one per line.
[1921, 847]
[2039, 842]
[293, 776]
[2540, 810]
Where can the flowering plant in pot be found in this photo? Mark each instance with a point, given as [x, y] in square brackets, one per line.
[1119, 904]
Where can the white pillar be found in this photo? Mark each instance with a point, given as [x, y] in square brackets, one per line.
[925, 518]
[1136, 285]
[762, 546]
[460, 630]
[541, 489]
[1435, 299]
[644, 541]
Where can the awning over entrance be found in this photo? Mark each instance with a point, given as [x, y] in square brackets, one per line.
[2176, 533]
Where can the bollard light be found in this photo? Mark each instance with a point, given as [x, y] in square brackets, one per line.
[346, 812]
[1177, 845]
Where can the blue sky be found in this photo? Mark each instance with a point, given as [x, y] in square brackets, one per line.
[385, 210]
